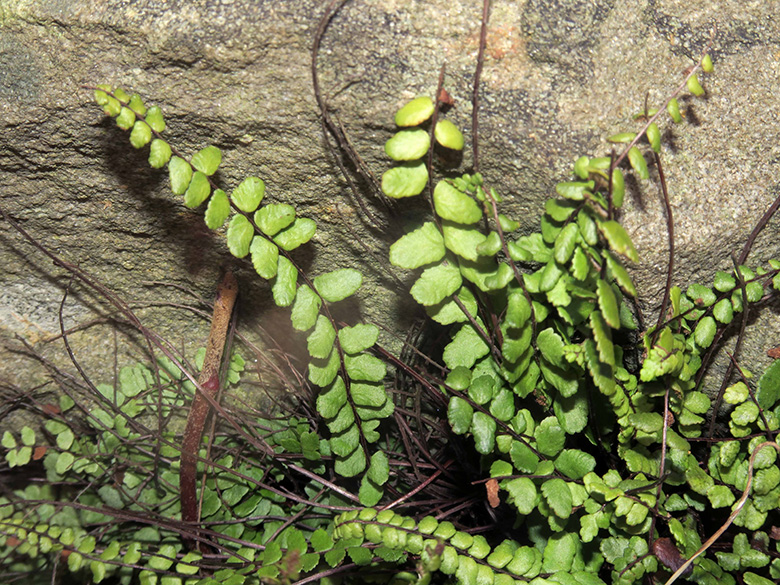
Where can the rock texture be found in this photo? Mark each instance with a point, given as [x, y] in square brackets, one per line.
[559, 77]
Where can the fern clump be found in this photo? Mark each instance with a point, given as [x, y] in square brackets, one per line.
[553, 437]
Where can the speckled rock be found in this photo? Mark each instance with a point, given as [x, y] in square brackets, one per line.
[558, 78]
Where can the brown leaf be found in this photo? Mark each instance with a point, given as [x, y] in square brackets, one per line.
[492, 493]
[51, 409]
[39, 452]
[445, 98]
[666, 552]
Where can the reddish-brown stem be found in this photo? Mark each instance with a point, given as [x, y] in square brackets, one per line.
[208, 382]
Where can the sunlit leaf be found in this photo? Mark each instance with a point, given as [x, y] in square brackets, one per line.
[448, 135]
[618, 239]
[207, 160]
[406, 180]
[300, 232]
[141, 134]
[159, 153]
[217, 210]
[180, 173]
[248, 194]
[452, 204]
[638, 163]
[415, 112]
[274, 217]
[408, 144]
[198, 190]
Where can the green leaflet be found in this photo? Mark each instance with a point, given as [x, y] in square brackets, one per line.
[705, 332]
[330, 401]
[462, 241]
[408, 145]
[358, 338]
[618, 188]
[638, 163]
[373, 396]
[654, 137]
[572, 413]
[436, 284]
[616, 271]
[522, 494]
[459, 414]
[491, 246]
[558, 496]
[575, 464]
[618, 239]
[207, 160]
[285, 283]
[323, 372]
[351, 466]
[415, 112]
[141, 134]
[405, 180]
[483, 428]
[575, 191]
[448, 135]
[198, 190]
[218, 210]
[550, 437]
[559, 210]
[551, 346]
[274, 217]
[300, 232]
[565, 242]
[768, 391]
[239, 236]
[422, 246]
[559, 552]
[673, 107]
[248, 194]
[265, 256]
[320, 341]
[448, 311]
[155, 120]
[365, 367]
[602, 334]
[159, 153]
[339, 284]
[180, 173]
[518, 310]
[608, 304]
[306, 308]
[453, 205]
[694, 86]
[530, 247]
[465, 348]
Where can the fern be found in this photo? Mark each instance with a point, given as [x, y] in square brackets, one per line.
[600, 462]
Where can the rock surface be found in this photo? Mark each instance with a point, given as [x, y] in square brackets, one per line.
[558, 78]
